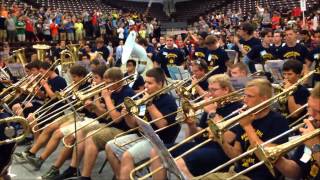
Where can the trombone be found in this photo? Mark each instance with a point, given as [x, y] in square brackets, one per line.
[77, 101]
[185, 91]
[16, 119]
[217, 129]
[131, 106]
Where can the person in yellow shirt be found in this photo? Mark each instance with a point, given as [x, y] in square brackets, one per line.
[78, 26]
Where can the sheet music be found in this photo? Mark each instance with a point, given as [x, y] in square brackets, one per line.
[164, 154]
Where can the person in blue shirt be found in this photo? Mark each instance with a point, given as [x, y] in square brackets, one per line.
[305, 163]
[263, 52]
[199, 69]
[215, 56]
[169, 56]
[138, 84]
[123, 159]
[292, 49]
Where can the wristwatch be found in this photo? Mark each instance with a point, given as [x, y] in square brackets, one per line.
[315, 148]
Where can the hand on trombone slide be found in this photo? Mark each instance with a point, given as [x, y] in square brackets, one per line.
[309, 127]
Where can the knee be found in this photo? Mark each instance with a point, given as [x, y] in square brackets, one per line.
[57, 134]
[126, 157]
[153, 153]
[180, 163]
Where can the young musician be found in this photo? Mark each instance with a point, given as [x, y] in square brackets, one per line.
[238, 70]
[138, 84]
[252, 130]
[199, 69]
[123, 160]
[219, 85]
[92, 109]
[292, 71]
[215, 55]
[112, 96]
[169, 56]
[77, 73]
[305, 163]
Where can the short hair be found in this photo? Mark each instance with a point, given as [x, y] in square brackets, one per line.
[240, 65]
[134, 63]
[279, 32]
[157, 74]
[170, 36]
[294, 65]
[211, 39]
[288, 28]
[78, 70]
[99, 70]
[95, 62]
[202, 64]
[34, 64]
[264, 86]
[114, 74]
[142, 42]
[223, 80]
[247, 27]
[315, 93]
[265, 32]
[45, 65]
[99, 40]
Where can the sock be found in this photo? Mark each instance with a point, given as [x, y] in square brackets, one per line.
[30, 153]
[85, 178]
[72, 169]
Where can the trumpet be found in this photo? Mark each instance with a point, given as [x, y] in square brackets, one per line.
[20, 120]
[185, 91]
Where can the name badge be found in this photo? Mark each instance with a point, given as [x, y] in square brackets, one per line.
[316, 56]
[264, 52]
[258, 67]
[142, 110]
[209, 57]
[306, 155]
[165, 53]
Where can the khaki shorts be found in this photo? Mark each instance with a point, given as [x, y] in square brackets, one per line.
[104, 135]
[224, 175]
[3, 34]
[88, 122]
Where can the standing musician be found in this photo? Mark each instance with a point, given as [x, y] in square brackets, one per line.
[305, 163]
[219, 85]
[112, 96]
[252, 130]
[314, 56]
[259, 54]
[123, 159]
[238, 70]
[169, 56]
[292, 71]
[292, 49]
[48, 134]
[215, 55]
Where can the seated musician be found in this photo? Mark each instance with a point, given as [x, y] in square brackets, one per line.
[252, 130]
[77, 73]
[238, 70]
[92, 110]
[90, 148]
[138, 84]
[199, 69]
[292, 71]
[123, 159]
[305, 163]
[219, 85]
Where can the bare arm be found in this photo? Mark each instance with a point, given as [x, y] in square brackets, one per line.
[288, 168]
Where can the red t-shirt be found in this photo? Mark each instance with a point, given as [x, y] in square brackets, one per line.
[54, 29]
[296, 12]
[29, 25]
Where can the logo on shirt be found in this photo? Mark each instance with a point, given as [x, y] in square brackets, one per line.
[246, 162]
[246, 48]
[291, 54]
[200, 54]
[171, 58]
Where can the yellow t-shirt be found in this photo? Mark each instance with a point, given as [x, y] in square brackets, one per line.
[78, 27]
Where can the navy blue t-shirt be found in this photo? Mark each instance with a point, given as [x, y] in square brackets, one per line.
[298, 52]
[104, 50]
[306, 167]
[219, 58]
[200, 53]
[248, 45]
[260, 54]
[166, 104]
[57, 84]
[137, 83]
[300, 97]
[118, 98]
[169, 57]
[266, 128]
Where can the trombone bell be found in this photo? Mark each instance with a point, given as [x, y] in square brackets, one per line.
[41, 50]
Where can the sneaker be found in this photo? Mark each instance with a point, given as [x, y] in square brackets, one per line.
[52, 174]
[69, 173]
[36, 162]
[21, 156]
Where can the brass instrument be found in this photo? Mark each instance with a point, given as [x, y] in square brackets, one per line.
[41, 50]
[20, 56]
[16, 119]
[189, 108]
[95, 55]
[186, 91]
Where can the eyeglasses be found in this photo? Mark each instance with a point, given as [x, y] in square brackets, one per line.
[214, 89]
